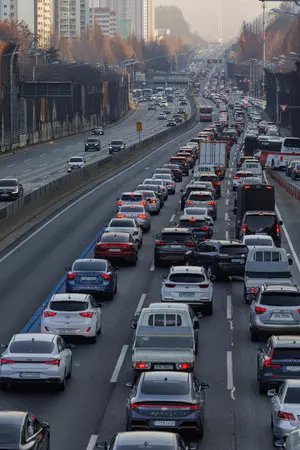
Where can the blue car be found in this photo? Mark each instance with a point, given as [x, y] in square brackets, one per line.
[92, 276]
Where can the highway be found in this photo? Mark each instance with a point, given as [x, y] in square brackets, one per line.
[42, 164]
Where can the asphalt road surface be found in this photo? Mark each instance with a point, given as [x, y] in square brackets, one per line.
[93, 405]
[41, 165]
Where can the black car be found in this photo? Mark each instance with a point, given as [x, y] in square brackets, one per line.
[151, 108]
[23, 431]
[181, 111]
[155, 440]
[176, 170]
[116, 146]
[182, 163]
[92, 144]
[178, 118]
[167, 400]
[183, 103]
[198, 226]
[262, 222]
[277, 361]
[97, 131]
[10, 189]
[171, 123]
[295, 172]
[171, 245]
[220, 258]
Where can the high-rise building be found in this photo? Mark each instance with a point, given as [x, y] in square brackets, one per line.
[104, 18]
[143, 19]
[9, 10]
[45, 21]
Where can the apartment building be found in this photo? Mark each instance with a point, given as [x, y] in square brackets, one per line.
[9, 10]
[104, 18]
[143, 19]
[45, 21]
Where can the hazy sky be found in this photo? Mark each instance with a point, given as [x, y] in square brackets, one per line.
[25, 11]
[203, 15]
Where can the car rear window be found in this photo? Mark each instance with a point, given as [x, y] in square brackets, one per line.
[173, 388]
[263, 223]
[89, 266]
[286, 353]
[138, 209]
[115, 237]
[192, 223]
[292, 395]
[132, 197]
[164, 320]
[165, 171]
[200, 197]
[208, 178]
[163, 176]
[267, 256]
[68, 305]
[121, 223]
[176, 237]
[187, 278]
[41, 347]
[233, 249]
[280, 299]
[253, 241]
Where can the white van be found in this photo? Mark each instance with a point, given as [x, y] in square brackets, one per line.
[254, 167]
[290, 145]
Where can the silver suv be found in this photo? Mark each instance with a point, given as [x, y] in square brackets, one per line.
[276, 310]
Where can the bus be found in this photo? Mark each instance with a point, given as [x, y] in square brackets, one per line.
[206, 113]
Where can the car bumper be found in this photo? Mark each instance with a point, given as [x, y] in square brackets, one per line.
[188, 424]
[9, 196]
[117, 255]
[283, 428]
[195, 303]
[79, 331]
[275, 329]
[90, 289]
[153, 208]
[40, 377]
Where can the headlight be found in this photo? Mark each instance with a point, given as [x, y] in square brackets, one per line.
[15, 191]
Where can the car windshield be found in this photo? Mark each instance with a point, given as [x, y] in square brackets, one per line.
[116, 142]
[89, 266]
[187, 277]
[256, 241]
[233, 249]
[9, 434]
[292, 395]
[132, 197]
[92, 140]
[280, 299]
[157, 387]
[121, 223]
[75, 160]
[192, 223]
[262, 223]
[176, 237]
[200, 197]
[164, 342]
[155, 182]
[115, 238]
[209, 178]
[31, 346]
[68, 305]
[135, 209]
[8, 182]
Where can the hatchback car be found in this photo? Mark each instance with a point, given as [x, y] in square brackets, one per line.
[198, 225]
[98, 131]
[126, 226]
[188, 284]
[139, 213]
[277, 361]
[262, 222]
[23, 431]
[203, 199]
[131, 198]
[167, 400]
[92, 276]
[276, 310]
[117, 247]
[168, 179]
[171, 245]
[36, 358]
[72, 315]
[92, 144]
[176, 171]
[285, 409]
[220, 258]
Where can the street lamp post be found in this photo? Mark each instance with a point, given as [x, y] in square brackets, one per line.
[11, 72]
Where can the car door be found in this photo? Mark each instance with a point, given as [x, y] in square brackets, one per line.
[97, 311]
[65, 353]
[205, 254]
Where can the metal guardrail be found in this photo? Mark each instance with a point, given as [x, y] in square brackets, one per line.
[292, 189]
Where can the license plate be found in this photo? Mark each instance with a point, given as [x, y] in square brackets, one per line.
[186, 294]
[163, 367]
[4, 195]
[67, 331]
[237, 260]
[88, 278]
[281, 316]
[29, 375]
[175, 246]
[164, 423]
[115, 250]
[293, 368]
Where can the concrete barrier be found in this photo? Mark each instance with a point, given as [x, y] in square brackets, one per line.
[292, 189]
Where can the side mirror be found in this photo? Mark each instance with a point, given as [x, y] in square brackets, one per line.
[116, 267]
[290, 262]
[102, 445]
[133, 324]
[279, 443]
[70, 346]
[181, 190]
[212, 277]
[68, 269]
[204, 386]
[45, 425]
[21, 185]
[129, 384]
[196, 324]
[271, 392]
[280, 222]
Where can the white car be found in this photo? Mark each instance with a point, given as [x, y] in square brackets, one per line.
[198, 211]
[162, 116]
[238, 178]
[126, 226]
[251, 240]
[188, 284]
[171, 185]
[72, 315]
[36, 358]
[76, 162]
[153, 201]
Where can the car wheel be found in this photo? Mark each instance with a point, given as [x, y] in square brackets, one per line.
[86, 150]
[62, 385]
[93, 339]
[200, 432]
[272, 425]
[254, 335]
[116, 288]
[110, 296]
[70, 371]
[99, 331]
[210, 309]
[135, 260]
[157, 262]
[5, 386]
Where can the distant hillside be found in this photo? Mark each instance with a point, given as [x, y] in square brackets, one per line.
[171, 17]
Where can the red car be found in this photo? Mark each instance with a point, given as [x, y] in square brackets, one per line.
[117, 247]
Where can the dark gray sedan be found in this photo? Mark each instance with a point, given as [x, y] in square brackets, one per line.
[10, 189]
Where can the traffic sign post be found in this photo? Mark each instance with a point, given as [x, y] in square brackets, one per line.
[139, 129]
[283, 107]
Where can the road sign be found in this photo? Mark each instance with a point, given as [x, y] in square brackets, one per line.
[186, 116]
[283, 107]
[139, 126]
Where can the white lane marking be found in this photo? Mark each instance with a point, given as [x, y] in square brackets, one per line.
[152, 267]
[26, 160]
[62, 170]
[119, 364]
[58, 159]
[43, 165]
[27, 170]
[227, 201]
[230, 169]
[229, 370]
[229, 181]
[56, 150]
[179, 202]
[45, 176]
[10, 165]
[229, 307]
[95, 189]
[140, 304]
[226, 216]
[229, 176]
[44, 154]
[92, 442]
[226, 235]
[227, 192]
[172, 218]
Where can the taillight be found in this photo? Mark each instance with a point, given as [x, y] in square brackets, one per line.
[170, 285]
[203, 285]
[190, 244]
[244, 228]
[286, 415]
[120, 216]
[142, 216]
[204, 229]
[217, 183]
[55, 362]
[7, 361]
[153, 201]
[88, 315]
[71, 276]
[120, 203]
[183, 366]
[49, 314]
[142, 365]
[211, 203]
[105, 276]
[143, 203]
[160, 243]
[177, 171]
[188, 202]
[268, 363]
[260, 310]
[236, 178]
[277, 228]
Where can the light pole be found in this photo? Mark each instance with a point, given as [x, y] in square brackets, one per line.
[11, 74]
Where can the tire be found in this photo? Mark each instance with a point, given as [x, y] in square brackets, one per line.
[254, 335]
[157, 262]
[134, 261]
[93, 339]
[110, 296]
[200, 432]
[62, 385]
[70, 372]
[263, 387]
[210, 309]
[116, 288]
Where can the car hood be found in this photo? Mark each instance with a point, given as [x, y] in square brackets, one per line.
[163, 355]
